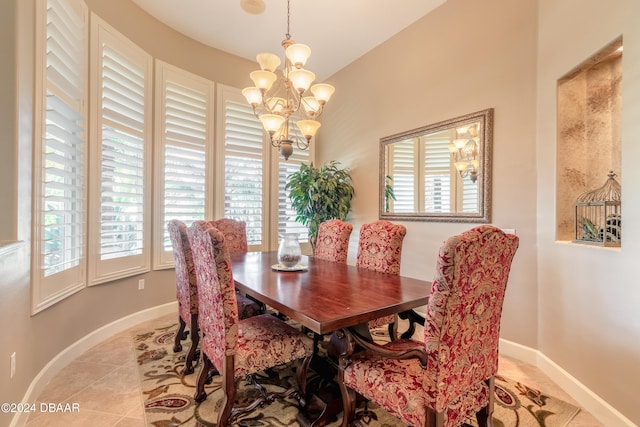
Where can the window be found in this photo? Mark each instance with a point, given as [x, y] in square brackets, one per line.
[423, 177]
[252, 187]
[60, 161]
[93, 224]
[121, 137]
[184, 141]
[403, 170]
[437, 174]
[286, 215]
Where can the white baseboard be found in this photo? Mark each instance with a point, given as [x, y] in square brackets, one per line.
[586, 398]
[76, 349]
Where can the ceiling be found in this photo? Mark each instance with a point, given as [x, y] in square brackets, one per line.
[338, 31]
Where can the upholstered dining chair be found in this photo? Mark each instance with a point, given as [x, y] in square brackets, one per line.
[235, 234]
[238, 347]
[187, 293]
[448, 378]
[332, 242]
[380, 249]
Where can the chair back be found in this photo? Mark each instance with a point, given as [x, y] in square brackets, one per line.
[462, 325]
[235, 234]
[380, 246]
[218, 317]
[332, 243]
[186, 287]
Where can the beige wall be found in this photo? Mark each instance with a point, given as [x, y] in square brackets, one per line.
[577, 305]
[36, 340]
[463, 57]
[589, 297]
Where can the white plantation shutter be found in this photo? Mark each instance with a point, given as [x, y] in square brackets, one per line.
[60, 161]
[252, 188]
[437, 175]
[184, 138]
[404, 169]
[121, 223]
[245, 185]
[470, 196]
[286, 215]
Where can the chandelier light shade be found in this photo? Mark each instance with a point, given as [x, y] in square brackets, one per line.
[281, 97]
[464, 150]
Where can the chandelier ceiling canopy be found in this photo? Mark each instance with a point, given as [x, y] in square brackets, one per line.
[281, 96]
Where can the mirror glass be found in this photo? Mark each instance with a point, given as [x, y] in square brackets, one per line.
[439, 172]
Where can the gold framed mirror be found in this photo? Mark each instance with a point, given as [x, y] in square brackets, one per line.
[439, 172]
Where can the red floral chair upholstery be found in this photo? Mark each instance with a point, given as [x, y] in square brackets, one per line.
[235, 234]
[187, 293]
[380, 249]
[238, 347]
[332, 242]
[236, 230]
[448, 378]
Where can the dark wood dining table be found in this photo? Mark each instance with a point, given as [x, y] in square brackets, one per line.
[326, 297]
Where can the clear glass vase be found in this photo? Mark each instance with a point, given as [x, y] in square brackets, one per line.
[289, 251]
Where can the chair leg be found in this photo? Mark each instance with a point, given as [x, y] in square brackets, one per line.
[433, 418]
[301, 376]
[485, 415]
[392, 330]
[201, 395]
[414, 318]
[195, 340]
[229, 392]
[482, 417]
[348, 401]
[177, 345]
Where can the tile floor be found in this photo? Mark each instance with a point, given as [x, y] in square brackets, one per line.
[104, 383]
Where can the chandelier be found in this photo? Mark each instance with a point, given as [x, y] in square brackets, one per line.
[464, 150]
[278, 96]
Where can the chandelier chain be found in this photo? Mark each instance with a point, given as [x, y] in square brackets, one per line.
[288, 35]
[276, 105]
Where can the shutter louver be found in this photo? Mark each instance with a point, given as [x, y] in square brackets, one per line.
[403, 174]
[437, 177]
[286, 214]
[123, 154]
[470, 196]
[244, 160]
[186, 134]
[63, 205]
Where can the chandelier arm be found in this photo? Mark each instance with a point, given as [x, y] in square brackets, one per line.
[283, 99]
[302, 144]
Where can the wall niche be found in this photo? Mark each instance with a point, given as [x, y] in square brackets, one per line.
[589, 142]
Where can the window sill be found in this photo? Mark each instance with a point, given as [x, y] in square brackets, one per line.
[8, 247]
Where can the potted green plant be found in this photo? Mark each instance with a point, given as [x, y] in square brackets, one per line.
[389, 194]
[320, 194]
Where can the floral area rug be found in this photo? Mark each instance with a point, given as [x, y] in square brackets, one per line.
[168, 395]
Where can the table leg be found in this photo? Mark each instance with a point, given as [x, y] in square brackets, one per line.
[324, 398]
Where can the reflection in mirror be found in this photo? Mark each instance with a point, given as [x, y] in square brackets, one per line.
[439, 172]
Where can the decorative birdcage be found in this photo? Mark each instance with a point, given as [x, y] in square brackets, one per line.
[598, 220]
